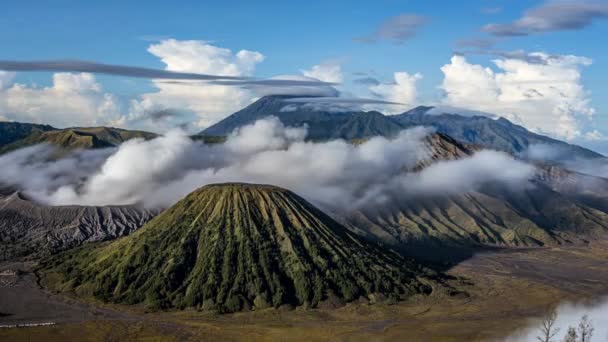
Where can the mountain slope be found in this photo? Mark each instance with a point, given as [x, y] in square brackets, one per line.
[500, 134]
[76, 138]
[483, 131]
[28, 229]
[365, 125]
[322, 125]
[14, 131]
[490, 217]
[559, 206]
[232, 247]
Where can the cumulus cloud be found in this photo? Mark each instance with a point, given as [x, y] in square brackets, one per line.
[397, 29]
[208, 102]
[402, 91]
[337, 174]
[211, 101]
[72, 100]
[545, 97]
[552, 16]
[327, 72]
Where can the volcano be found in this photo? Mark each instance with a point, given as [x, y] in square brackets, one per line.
[234, 247]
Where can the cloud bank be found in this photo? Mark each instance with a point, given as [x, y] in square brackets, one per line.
[336, 174]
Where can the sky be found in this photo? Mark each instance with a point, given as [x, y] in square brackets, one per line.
[541, 64]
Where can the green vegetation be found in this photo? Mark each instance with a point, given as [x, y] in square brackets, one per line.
[233, 247]
[79, 138]
[13, 131]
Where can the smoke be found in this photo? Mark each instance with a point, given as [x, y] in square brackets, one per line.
[569, 315]
[159, 172]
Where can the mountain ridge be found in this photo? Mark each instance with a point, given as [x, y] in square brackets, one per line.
[79, 138]
[498, 134]
[32, 230]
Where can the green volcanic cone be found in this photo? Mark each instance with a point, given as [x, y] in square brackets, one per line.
[232, 247]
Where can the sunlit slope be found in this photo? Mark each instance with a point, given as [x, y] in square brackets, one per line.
[232, 247]
[79, 138]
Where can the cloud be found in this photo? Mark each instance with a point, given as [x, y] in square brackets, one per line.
[552, 16]
[211, 101]
[402, 90]
[366, 81]
[72, 100]
[568, 315]
[108, 69]
[332, 104]
[397, 29]
[533, 58]
[247, 61]
[208, 103]
[326, 72]
[343, 100]
[336, 174]
[545, 97]
[32, 168]
[201, 82]
[315, 87]
[202, 57]
[6, 79]
[545, 152]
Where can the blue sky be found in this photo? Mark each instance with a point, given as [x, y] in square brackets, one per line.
[293, 36]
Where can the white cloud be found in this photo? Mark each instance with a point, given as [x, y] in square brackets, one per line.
[313, 90]
[402, 90]
[72, 100]
[6, 79]
[336, 173]
[210, 103]
[201, 57]
[326, 72]
[545, 96]
[595, 135]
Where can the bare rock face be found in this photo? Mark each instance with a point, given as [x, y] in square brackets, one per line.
[29, 229]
